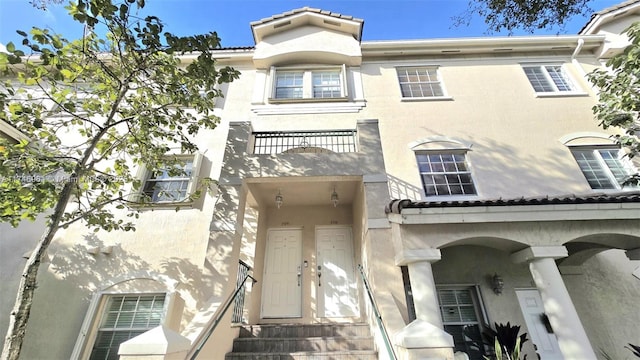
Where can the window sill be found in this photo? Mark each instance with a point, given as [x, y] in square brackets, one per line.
[431, 98]
[162, 205]
[307, 100]
[305, 107]
[561, 94]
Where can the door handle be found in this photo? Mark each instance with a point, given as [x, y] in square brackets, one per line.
[319, 275]
[299, 275]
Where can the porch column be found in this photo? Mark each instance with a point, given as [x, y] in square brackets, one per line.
[572, 339]
[424, 337]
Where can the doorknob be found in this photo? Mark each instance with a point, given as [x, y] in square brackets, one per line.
[319, 275]
[299, 275]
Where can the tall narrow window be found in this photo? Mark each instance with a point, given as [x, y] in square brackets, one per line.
[445, 173]
[417, 82]
[459, 308]
[548, 78]
[603, 167]
[125, 317]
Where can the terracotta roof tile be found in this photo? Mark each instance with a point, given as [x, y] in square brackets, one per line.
[396, 206]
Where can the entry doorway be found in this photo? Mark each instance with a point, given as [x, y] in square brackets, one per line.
[336, 286]
[282, 279]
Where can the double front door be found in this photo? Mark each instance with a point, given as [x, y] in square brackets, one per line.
[330, 274]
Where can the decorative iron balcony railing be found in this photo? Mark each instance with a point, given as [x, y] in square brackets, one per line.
[278, 142]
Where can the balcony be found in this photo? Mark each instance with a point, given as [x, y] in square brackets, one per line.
[289, 142]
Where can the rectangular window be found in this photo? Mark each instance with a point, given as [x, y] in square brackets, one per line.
[172, 184]
[604, 168]
[445, 173]
[289, 85]
[309, 84]
[548, 78]
[125, 317]
[326, 84]
[460, 311]
[420, 82]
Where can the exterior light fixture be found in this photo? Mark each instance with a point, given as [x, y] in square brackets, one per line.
[334, 198]
[498, 284]
[279, 199]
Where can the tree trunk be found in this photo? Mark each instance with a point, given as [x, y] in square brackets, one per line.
[24, 299]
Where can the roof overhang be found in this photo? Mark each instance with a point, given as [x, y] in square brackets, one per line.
[485, 45]
[304, 17]
[610, 14]
[619, 206]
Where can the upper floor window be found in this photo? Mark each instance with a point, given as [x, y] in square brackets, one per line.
[171, 184]
[548, 78]
[445, 173]
[125, 317]
[420, 82]
[309, 84]
[604, 167]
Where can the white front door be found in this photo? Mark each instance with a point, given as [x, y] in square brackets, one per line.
[335, 278]
[282, 284]
[538, 327]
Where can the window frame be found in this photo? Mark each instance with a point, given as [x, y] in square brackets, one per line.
[566, 77]
[145, 175]
[95, 313]
[478, 306]
[439, 81]
[445, 151]
[623, 161]
[307, 87]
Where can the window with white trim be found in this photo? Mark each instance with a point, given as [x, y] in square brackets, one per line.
[420, 82]
[174, 183]
[445, 173]
[462, 316]
[549, 78]
[125, 317]
[604, 167]
[309, 84]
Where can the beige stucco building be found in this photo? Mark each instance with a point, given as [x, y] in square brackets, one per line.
[465, 179]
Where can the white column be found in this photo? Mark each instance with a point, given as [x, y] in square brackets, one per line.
[572, 339]
[424, 337]
[424, 292]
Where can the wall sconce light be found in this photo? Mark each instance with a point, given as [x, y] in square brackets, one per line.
[498, 284]
[334, 198]
[279, 199]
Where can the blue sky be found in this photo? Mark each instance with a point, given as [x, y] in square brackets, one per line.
[384, 19]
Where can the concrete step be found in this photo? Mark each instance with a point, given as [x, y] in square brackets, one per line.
[322, 344]
[303, 331]
[304, 342]
[334, 355]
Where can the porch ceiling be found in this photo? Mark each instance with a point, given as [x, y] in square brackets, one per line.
[310, 192]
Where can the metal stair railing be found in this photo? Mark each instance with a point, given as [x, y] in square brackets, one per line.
[243, 275]
[374, 306]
